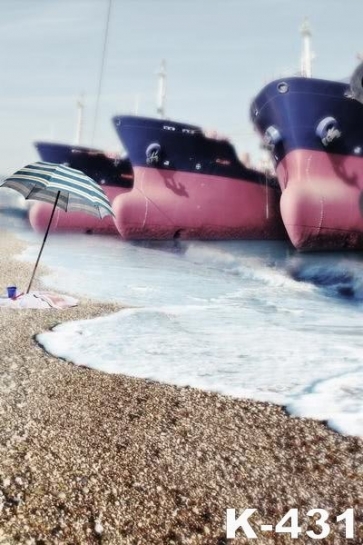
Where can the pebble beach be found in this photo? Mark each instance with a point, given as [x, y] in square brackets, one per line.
[88, 457]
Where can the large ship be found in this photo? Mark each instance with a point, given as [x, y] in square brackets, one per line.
[188, 185]
[314, 131]
[112, 172]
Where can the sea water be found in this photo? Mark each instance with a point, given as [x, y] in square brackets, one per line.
[248, 319]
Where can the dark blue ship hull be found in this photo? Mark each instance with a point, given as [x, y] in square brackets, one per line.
[296, 106]
[104, 169]
[183, 148]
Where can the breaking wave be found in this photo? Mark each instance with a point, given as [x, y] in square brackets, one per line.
[343, 278]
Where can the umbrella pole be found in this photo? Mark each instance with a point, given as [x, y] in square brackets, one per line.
[44, 239]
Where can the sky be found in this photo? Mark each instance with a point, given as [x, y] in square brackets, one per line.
[219, 54]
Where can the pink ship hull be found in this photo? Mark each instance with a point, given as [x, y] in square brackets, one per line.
[322, 200]
[172, 204]
[39, 215]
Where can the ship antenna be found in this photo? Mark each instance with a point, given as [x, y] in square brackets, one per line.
[80, 106]
[307, 55]
[161, 96]
[100, 78]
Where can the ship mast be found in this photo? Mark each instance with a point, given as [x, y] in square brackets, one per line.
[79, 128]
[161, 96]
[307, 55]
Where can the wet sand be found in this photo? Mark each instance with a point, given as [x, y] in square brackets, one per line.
[87, 457]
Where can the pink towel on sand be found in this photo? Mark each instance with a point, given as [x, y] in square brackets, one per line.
[39, 299]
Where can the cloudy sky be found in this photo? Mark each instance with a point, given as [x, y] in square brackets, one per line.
[219, 54]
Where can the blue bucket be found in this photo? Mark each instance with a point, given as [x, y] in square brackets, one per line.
[11, 291]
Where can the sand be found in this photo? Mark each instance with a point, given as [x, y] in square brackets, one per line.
[87, 457]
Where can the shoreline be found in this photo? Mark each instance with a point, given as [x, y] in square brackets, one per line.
[87, 457]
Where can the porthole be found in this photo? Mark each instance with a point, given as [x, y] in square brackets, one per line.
[282, 87]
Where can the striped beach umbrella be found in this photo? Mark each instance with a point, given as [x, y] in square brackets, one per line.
[61, 186]
[73, 190]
